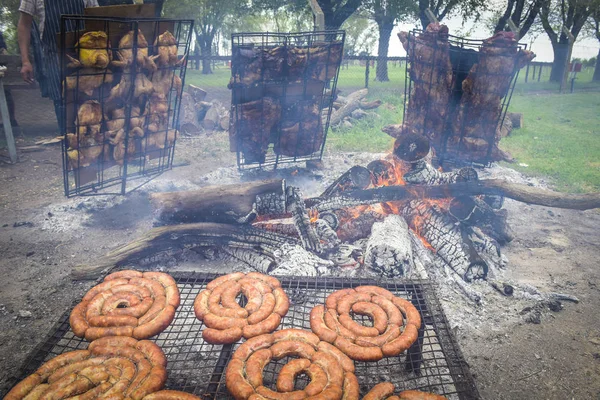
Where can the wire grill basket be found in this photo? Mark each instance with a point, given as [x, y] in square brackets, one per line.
[120, 99]
[283, 86]
[457, 92]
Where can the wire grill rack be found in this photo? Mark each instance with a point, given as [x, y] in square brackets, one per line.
[434, 363]
[283, 87]
[488, 116]
[98, 157]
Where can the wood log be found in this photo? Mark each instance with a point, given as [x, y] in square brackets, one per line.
[198, 94]
[369, 105]
[352, 103]
[505, 129]
[308, 235]
[515, 191]
[259, 261]
[389, 249]
[224, 203]
[516, 119]
[447, 240]
[329, 239]
[356, 222]
[177, 236]
[293, 260]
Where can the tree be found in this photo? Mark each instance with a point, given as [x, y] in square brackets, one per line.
[209, 16]
[9, 16]
[594, 25]
[572, 15]
[386, 13]
[360, 35]
[444, 8]
[522, 12]
[337, 11]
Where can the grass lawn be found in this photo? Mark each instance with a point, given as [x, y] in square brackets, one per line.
[560, 139]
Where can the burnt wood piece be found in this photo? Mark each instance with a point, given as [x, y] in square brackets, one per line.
[352, 103]
[255, 259]
[515, 191]
[356, 177]
[177, 236]
[293, 260]
[327, 236]
[220, 203]
[280, 226]
[474, 131]
[308, 236]
[250, 129]
[424, 173]
[412, 147]
[447, 239]
[394, 130]
[389, 248]
[430, 71]
[474, 211]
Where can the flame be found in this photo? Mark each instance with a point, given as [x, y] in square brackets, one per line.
[313, 214]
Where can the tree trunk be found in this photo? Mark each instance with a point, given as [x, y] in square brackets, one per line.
[205, 51]
[385, 32]
[558, 65]
[596, 76]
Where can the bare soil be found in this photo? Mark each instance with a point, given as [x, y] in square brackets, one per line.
[43, 235]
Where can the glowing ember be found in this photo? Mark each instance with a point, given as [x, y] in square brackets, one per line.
[313, 214]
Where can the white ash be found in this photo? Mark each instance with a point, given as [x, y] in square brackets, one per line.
[294, 260]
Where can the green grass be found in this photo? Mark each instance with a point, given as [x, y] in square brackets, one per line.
[560, 139]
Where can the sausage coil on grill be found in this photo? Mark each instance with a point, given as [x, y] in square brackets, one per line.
[227, 321]
[330, 371]
[385, 391]
[127, 303]
[111, 367]
[396, 323]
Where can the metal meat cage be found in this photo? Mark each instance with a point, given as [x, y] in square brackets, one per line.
[283, 87]
[464, 54]
[119, 115]
[434, 363]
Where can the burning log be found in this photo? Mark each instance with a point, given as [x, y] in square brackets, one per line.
[476, 211]
[493, 187]
[307, 233]
[279, 226]
[226, 203]
[356, 177]
[356, 222]
[177, 236]
[448, 241]
[389, 249]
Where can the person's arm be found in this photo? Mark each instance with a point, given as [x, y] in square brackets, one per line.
[2, 44]
[24, 37]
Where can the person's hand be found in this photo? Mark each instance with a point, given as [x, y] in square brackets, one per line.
[27, 72]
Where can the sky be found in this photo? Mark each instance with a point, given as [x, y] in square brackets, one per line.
[541, 46]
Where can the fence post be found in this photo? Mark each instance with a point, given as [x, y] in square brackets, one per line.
[527, 73]
[367, 73]
[540, 72]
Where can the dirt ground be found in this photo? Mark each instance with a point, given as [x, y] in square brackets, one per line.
[43, 235]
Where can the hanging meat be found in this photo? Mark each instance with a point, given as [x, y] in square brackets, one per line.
[86, 80]
[430, 70]
[85, 146]
[301, 129]
[318, 61]
[166, 58]
[250, 131]
[474, 131]
[93, 50]
[254, 65]
[125, 54]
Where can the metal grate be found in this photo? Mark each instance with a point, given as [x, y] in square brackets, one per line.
[283, 87]
[92, 163]
[433, 364]
[463, 54]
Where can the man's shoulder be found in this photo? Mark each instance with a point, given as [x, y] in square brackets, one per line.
[32, 7]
